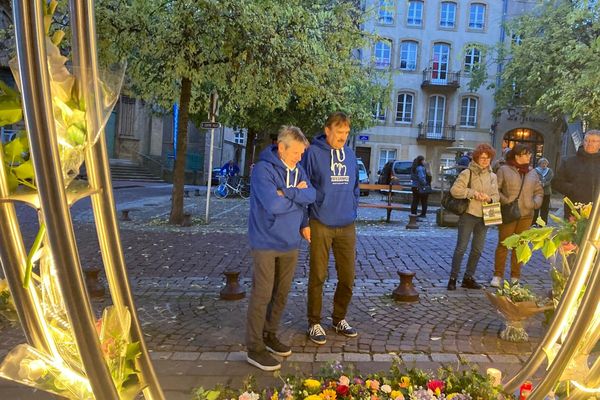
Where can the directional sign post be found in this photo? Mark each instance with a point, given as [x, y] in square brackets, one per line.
[212, 125]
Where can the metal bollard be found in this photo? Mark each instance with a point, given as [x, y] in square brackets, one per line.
[232, 289]
[125, 215]
[412, 222]
[406, 290]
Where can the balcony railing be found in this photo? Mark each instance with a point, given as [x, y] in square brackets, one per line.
[440, 79]
[436, 131]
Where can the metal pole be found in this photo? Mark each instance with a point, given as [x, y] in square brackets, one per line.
[103, 203]
[210, 163]
[37, 105]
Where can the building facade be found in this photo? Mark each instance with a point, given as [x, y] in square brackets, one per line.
[431, 49]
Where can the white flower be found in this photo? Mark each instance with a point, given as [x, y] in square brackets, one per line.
[386, 389]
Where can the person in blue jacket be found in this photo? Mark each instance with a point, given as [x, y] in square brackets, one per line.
[332, 169]
[280, 193]
[229, 169]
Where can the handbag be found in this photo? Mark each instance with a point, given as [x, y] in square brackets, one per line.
[454, 205]
[425, 189]
[492, 214]
[510, 211]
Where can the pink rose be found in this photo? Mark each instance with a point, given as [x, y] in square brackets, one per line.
[344, 380]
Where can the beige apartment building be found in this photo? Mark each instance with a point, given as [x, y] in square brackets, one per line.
[430, 48]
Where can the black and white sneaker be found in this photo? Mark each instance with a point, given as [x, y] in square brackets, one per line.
[344, 328]
[263, 360]
[275, 346]
[316, 333]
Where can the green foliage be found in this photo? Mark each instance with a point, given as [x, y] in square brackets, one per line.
[271, 62]
[554, 68]
[516, 293]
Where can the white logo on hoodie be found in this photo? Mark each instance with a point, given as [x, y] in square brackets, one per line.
[339, 174]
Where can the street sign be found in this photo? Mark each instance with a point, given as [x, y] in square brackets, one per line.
[210, 125]
[364, 138]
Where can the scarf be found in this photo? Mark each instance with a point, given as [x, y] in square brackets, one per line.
[522, 168]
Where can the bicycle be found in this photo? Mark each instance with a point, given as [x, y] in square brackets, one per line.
[242, 188]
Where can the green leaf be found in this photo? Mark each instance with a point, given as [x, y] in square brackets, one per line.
[133, 351]
[523, 253]
[76, 135]
[549, 248]
[512, 241]
[37, 244]
[13, 150]
[13, 182]
[11, 111]
[24, 171]
[212, 395]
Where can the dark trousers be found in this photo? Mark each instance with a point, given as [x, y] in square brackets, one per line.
[543, 210]
[504, 231]
[343, 242]
[271, 281]
[468, 225]
[416, 199]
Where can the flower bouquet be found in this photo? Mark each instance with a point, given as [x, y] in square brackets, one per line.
[335, 383]
[516, 303]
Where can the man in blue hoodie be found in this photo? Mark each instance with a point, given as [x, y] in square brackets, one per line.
[332, 168]
[280, 193]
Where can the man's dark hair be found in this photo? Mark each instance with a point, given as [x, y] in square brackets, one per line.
[337, 118]
[518, 150]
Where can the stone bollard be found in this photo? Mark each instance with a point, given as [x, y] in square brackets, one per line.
[94, 287]
[406, 290]
[197, 192]
[412, 222]
[187, 220]
[125, 215]
[232, 289]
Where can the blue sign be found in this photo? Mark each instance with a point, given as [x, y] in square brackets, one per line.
[364, 138]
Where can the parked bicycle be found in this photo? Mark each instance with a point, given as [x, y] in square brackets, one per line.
[232, 185]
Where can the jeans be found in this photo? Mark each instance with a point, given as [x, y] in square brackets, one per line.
[343, 242]
[271, 282]
[468, 225]
[504, 231]
[416, 199]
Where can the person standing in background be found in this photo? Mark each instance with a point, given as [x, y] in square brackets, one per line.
[420, 187]
[546, 175]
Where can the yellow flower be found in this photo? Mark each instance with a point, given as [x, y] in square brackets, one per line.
[3, 285]
[396, 395]
[313, 397]
[586, 210]
[404, 382]
[328, 394]
[275, 396]
[451, 396]
[312, 384]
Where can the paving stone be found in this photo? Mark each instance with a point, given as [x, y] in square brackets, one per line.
[474, 358]
[357, 357]
[185, 356]
[237, 356]
[504, 358]
[213, 356]
[328, 357]
[160, 355]
[444, 357]
[414, 357]
[385, 357]
[301, 357]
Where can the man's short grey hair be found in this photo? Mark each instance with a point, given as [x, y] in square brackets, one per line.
[594, 132]
[542, 160]
[289, 133]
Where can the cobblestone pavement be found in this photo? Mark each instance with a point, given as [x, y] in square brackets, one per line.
[176, 275]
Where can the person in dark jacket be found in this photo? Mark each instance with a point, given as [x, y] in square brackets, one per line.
[280, 194]
[333, 171]
[578, 176]
[545, 174]
[420, 187]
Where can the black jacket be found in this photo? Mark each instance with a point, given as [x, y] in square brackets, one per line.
[578, 177]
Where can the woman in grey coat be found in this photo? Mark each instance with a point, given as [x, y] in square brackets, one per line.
[516, 179]
[478, 184]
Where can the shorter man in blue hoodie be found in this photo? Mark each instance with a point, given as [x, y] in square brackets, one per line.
[280, 194]
[333, 171]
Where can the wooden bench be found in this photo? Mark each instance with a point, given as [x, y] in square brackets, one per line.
[389, 191]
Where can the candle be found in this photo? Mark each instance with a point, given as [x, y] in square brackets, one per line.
[495, 375]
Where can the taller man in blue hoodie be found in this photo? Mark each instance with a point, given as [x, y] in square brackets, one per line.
[280, 193]
[332, 169]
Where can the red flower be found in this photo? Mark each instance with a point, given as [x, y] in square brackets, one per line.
[342, 390]
[436, 386]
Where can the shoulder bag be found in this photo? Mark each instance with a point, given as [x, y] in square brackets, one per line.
[454, 205]
[510, 211]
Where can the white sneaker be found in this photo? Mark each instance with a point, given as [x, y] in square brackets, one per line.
[496, 282]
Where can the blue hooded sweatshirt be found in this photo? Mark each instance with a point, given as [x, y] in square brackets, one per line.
[334, 175]
[275, 221]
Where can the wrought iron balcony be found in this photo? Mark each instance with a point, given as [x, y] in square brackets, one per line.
[436, 131]
[434, 78]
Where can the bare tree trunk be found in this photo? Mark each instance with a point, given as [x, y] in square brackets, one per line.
[250, 143]
[176, 217]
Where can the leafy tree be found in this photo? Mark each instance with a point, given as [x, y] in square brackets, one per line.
[271, 62]
[552, 63]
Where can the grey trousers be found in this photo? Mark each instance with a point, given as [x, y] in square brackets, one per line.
[468, 225]
[271, 281]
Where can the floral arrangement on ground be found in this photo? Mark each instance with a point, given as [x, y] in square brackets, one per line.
[339, 382]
